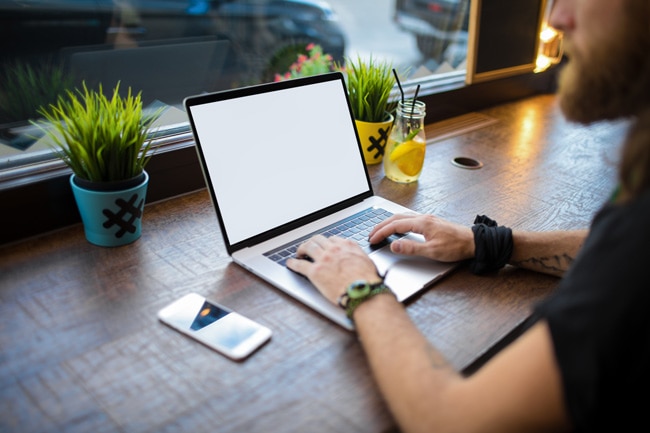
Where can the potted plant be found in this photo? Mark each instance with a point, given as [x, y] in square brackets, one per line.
[369, 85]
[105, 143]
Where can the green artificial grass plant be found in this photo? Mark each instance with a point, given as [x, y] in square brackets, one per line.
[369, 85]
[100, 139]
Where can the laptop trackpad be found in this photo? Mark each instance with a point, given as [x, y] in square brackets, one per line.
[407, 275]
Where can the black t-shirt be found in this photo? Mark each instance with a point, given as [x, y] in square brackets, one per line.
[599, 318]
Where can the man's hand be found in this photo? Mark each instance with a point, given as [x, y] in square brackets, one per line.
[444, 241]
[334, 264]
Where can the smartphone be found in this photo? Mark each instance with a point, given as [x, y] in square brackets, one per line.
[214, 325]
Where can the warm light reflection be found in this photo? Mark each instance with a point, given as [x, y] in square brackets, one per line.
[528, 135]
[550, 48]
[548, 34]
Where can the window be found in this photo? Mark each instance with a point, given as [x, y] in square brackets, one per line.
[173, 48]
[169, 49]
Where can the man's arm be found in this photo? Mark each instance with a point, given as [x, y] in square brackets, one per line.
[518, 390]
[547, 252]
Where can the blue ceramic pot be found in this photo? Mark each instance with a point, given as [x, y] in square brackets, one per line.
[111, 218]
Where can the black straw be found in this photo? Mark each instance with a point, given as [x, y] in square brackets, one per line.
[415, 98]
[408, 122]
[399, 84]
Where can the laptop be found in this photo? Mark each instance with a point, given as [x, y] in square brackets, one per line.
[283, 161]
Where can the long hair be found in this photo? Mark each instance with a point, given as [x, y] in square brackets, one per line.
[634, 168]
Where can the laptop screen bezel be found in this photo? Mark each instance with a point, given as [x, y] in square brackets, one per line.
[192, 101]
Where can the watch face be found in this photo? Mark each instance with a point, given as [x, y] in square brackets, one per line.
[358, 290]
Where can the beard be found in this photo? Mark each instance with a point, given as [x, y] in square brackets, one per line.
[612, 80]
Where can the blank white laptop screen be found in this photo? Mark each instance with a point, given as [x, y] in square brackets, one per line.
[271, 154]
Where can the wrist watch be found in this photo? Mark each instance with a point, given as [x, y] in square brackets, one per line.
[358, 292]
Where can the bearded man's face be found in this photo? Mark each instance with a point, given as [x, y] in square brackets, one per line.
[608, 73]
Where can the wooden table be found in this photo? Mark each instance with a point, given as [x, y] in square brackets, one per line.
[82, 349]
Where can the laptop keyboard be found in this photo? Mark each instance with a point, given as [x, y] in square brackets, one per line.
[356, 227]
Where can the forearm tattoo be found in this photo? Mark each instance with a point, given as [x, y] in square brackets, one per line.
[554, 264]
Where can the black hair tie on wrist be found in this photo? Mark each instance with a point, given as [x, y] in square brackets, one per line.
[493, 245]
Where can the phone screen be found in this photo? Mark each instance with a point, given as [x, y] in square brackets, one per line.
[216, 326]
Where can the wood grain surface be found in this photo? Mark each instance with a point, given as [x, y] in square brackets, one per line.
[82, 349]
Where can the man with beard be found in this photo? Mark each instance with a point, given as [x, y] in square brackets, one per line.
[587, 348]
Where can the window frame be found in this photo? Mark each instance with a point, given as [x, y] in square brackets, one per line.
[37, 200]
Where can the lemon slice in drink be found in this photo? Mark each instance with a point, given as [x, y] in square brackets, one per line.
[403, 149]
[408, 157]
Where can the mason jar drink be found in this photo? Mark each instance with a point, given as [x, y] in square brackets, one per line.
[406, 147]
